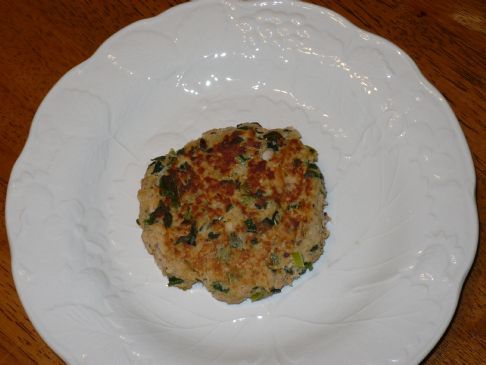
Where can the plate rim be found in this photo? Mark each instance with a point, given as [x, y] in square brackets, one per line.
[66, 355]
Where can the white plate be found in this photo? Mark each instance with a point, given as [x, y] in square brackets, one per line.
[397, 167]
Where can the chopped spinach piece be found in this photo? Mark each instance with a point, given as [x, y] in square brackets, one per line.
[273, 220]
[274, 140]
[268, 221]
[313, 171]
[174, 281]
[309, 266]
[180, 151]
[160, 211]
[213, 235]
[158, 166]
[138, 221]
[259, 294]
[168, 188]
[235, 241]
[250, 226]
[219, 287]
[314, 248]
[275, 290]
[190, 239]
[167, 218]
[312, 166]
[243, 126]
[289, 270]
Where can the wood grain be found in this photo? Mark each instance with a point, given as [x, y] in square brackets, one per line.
[41, 40]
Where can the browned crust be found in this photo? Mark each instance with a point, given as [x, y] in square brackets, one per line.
[223, 181]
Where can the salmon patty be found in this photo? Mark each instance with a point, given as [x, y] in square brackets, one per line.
[240, 210]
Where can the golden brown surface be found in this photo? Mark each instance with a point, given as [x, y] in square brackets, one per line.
[239, 209]
[41, 40]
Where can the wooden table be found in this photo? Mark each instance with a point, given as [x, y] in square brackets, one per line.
[41, 40]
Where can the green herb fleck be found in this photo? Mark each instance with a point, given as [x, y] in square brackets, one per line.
[309, 266]
[275, 290]
[213, 235]
[241, 159]
[138, 221]
[219, 287]
[314, 248]
[168, 188]
[190, 239]
[235, 241]
[289, 270]
[174, 281]
[298, 260]
[250, 226]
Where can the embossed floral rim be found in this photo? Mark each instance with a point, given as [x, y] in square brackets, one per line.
[29, 306]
